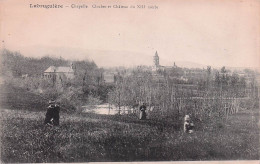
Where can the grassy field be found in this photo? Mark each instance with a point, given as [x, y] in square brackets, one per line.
[90, 137]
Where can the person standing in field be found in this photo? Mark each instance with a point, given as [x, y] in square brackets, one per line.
[188, 125]
[142, 113]
[53, 114]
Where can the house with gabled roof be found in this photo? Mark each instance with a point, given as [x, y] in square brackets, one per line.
[59, 72]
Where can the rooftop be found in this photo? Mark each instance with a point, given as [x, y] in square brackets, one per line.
[59, 69]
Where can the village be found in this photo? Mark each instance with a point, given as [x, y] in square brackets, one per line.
[183, 75]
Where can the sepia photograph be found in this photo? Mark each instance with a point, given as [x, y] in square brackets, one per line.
[129, 81]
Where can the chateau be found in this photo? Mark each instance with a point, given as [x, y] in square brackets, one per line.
[59, 72]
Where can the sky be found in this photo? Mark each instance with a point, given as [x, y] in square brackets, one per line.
[216, 32]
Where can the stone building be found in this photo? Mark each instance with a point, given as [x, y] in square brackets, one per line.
[156, 64]
[59, 73]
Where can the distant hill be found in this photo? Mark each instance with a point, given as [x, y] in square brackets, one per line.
[105, 58]
[112, 58]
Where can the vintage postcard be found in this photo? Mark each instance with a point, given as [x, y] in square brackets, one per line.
[129, 81]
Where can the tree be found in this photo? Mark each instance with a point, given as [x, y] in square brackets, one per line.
[234, 84]
[208, 70]
[217, 79]
[208, 76]
[223, 70]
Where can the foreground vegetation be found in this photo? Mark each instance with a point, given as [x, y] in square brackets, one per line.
[89, 137]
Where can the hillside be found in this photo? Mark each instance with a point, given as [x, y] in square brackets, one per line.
[85, 138]
[18, 98]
